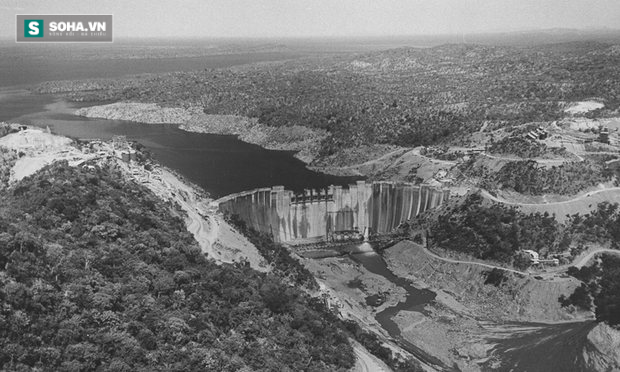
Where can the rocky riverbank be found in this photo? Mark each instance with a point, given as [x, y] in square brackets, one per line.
[514, 298]
[305, 142]
[602, 351]
[469, 317]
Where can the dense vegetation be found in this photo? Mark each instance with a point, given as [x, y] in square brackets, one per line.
[599, 226]
[494, 231]
[278, 256]
[289, 268]
[403, 96]
[7, 161]
[601, 287]
[528, 177]
[8, 157]
[495, 277]
[97, 274]
[441, 153]
[607, 293]
[6, 128]
[522, 147]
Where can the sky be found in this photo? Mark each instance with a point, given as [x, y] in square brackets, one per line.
[323, 18]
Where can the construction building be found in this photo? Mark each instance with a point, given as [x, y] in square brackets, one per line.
[603, 135]
[537, 134]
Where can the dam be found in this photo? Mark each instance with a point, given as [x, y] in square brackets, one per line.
[322, 215]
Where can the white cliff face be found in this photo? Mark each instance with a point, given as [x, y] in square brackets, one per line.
[602, 350]
[150, 113]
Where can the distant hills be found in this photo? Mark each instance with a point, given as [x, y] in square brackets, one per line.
[405, 96]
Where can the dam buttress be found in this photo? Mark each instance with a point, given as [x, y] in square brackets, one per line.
[378, 207]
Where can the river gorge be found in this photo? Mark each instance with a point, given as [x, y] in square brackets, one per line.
[308, 205]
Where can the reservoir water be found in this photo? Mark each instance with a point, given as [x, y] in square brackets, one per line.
[220, 164]
[223, 165]
[27, 64]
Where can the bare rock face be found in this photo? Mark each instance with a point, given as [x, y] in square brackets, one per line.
[150, 113]
[602, 349]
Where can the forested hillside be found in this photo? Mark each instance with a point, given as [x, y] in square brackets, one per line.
[403, 96]
[601, 226]
[97, 274]
[530, 178]
[494, 231]
[7, 160]
[601, 288]
[520, 146]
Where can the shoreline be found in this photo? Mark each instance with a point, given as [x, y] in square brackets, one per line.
[304, 142]
[221, 242]
[419, 333]
[537, 308]
[452, 329]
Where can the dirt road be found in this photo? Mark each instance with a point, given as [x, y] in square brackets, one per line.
[581, 204]
[539, 161]
[472, 263]
[578, 198]
[366, 362]
[584, 260]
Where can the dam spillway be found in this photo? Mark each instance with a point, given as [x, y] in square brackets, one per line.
[378, 207]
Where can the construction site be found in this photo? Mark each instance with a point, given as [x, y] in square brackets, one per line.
[346, 216]
[38, 148]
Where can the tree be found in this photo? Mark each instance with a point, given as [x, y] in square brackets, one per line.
[522, 261]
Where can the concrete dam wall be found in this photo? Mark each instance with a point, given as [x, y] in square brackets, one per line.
[378, 207]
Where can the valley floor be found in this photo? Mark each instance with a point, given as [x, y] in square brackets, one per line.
[468, 319]
[465, 324]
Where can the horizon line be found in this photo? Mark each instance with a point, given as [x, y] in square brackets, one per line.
[363, 37]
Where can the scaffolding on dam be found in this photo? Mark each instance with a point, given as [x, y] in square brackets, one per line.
[321, 215]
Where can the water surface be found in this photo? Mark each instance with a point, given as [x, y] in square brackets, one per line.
[547, 348]
[414, 301]
[220, 164]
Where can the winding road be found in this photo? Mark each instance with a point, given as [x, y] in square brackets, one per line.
[540, 161]
[470, 262]
[580, 263]
[488, 195]
[584, 260]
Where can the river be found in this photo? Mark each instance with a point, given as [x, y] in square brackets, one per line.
[220, 164]
[224, 164]
[521, 346]
[415, 301]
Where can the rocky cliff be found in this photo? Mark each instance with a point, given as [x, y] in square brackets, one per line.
[602, 349]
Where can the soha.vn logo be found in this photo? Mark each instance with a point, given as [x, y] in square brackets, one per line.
[63, 28]
[33, 28]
